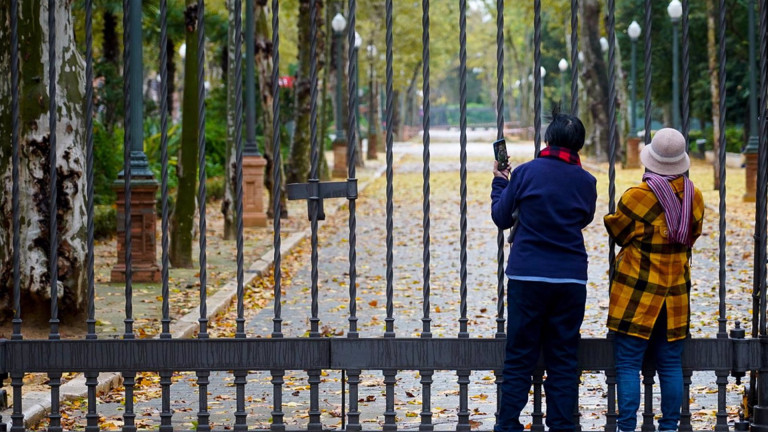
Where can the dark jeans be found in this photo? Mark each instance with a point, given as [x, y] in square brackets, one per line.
[542, 318]
[629, 352]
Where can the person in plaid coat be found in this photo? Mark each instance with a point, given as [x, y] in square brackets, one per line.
[656, 224]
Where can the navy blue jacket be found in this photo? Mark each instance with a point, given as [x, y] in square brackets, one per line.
[556, 200]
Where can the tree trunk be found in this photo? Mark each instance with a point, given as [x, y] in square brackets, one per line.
[297, 170]
[263, 54]
[171, 68]
[110, 96]
[228, 203]
[595, 78]
[714, 87]
[182, 220]
[34, 144]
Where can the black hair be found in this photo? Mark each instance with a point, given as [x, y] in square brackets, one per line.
[565, 130]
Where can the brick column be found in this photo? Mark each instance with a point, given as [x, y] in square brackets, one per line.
[253, 191]
[339, 159]
[144, 266]
[751, 177]
[633, 154]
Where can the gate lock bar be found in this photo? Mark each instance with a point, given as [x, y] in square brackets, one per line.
[315, 191]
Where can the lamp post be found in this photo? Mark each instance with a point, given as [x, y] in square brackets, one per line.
[373, 133]
[675, 11]
[603, 44]
[358, 44]
[633, 142]
[541, 92]
[753, 143]
[339, 23]
[563, 66]
[633, 31]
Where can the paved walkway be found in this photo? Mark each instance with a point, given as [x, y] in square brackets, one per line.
[444, 236]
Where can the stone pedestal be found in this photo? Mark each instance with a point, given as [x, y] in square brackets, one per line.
[253, 191]
[144, 266]
[633, 154]
[373, 146]
[751, 177]
[339, 159]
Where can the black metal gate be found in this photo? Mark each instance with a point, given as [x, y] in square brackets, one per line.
[727, 355]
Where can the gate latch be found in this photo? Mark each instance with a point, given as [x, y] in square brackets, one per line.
[315, 191]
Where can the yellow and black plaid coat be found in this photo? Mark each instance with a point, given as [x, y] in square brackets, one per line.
[650, 269]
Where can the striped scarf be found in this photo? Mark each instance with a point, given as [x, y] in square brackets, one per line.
[677, 214]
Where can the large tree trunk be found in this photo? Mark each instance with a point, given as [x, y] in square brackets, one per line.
[171, 68]
[228, 203]
[595, 78]
[110, 95]
[34, 144]
[182, 220]
[263, 54]
[714, 87]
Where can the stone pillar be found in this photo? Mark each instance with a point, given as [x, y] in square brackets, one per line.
[339, 159]
[751, 177]
[253, 191]
[144, 266]
[633, 154]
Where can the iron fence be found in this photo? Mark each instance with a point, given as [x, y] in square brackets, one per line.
[732, 354]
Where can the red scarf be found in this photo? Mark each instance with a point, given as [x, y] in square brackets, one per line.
[564, 154]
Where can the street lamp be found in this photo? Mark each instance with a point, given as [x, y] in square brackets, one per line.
[603, 44]
[543, 73]
[563, 66]
[358, 43]
[339, 23]
[675, 11]
[372, 118]
[633, 31]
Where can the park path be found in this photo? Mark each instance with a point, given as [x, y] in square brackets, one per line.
[444, 311]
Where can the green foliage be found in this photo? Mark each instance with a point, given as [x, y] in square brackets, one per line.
[104, 221]
[216, 132]
[107, 161]
[734, 139]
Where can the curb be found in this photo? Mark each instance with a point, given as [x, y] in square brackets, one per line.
[37, 405]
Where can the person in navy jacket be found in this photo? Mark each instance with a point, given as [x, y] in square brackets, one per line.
[554, 198]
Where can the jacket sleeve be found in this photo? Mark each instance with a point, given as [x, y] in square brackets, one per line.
[504, 200]
[620, 225]
[591, 215]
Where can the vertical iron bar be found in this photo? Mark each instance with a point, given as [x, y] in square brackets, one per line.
[647, 71]
[575, 57]
[353, 416]
[722, 415]
[166, 320]
[241, 416]
[250, 82]
[240, 331]
[91, 377]
[351, 168]
[537, 416]
[390, 420]
[277, 321]
[537, 120]
[203, 415]
[499, 134]
[722, 320]
[610, 415]
[426, 256]
[166, 414]
[463, 413]
[128, 67]
[17, 416]
[762, 169]
[426, 401]
[648, 401]
[54, 423]
[53, 228]
[129, 416]
[203, 320]
[613, 135]
[277, 395]
[499, 379]
[686, 105]
[390, 320]
[685, 412]
[463, 333]
[91, 320]
[16, 332]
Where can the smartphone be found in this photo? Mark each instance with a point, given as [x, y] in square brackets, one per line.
[500, 153]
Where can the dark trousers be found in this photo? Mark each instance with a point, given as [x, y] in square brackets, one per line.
[542, 318]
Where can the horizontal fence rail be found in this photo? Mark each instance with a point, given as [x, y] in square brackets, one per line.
[729, 355]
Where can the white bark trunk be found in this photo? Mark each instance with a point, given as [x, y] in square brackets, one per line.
[34, 145]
